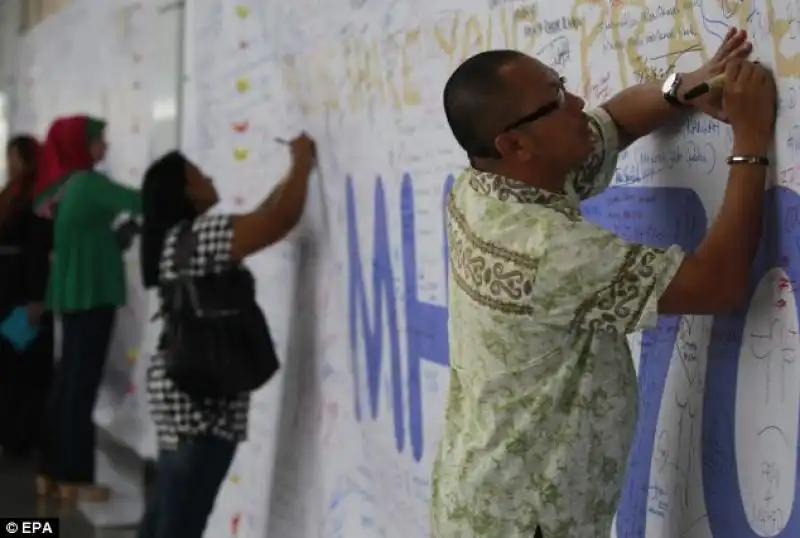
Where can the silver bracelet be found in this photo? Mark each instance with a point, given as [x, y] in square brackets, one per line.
[747, 159]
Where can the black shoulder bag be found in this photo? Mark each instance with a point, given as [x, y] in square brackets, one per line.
[216, 339]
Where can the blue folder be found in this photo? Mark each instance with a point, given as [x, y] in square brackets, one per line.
[17, 330]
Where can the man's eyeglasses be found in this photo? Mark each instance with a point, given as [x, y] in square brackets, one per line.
[537, 114]
[543, 110]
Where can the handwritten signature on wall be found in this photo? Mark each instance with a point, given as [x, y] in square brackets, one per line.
[634, 40]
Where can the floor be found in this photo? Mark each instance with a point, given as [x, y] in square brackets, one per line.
[18, 499]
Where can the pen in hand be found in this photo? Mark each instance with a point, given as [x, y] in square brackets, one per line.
[717, 81]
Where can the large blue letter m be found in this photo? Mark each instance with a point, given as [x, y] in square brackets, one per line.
[372, 326]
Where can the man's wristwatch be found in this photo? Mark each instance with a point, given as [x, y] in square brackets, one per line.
[670, 89]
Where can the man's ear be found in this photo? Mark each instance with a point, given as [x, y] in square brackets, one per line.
[511, 145]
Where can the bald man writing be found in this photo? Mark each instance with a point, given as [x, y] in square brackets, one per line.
[542, 399]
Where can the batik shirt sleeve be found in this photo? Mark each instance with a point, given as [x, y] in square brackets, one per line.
[596, 173]
[592, 280]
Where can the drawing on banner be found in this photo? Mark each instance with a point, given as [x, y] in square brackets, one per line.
[772, 345]
[676, 490]
[775, 349]
[767, 516]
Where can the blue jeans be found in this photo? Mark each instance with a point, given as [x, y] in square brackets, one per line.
[68, 453]
[188, 478]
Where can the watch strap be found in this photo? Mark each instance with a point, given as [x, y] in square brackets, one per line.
[671, 94]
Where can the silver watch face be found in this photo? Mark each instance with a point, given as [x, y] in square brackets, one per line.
[668, 83]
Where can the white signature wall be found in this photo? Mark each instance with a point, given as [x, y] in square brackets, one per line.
[341, 444]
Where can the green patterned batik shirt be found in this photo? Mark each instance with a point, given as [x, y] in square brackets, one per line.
[542, 399]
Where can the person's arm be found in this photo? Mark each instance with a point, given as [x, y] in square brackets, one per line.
[592, 280]
[8, 204]
[282, 209]
[642, 109]
[274, 218]
[715, 278]
[597, 171]
[36, 251]
[115, 197]
[724, 258]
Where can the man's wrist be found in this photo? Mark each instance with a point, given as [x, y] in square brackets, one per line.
[688, 81]
[749, 145]
[301, 169]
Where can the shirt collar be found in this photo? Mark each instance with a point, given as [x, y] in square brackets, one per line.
[506, 189]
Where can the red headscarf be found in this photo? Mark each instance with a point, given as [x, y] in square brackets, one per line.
[65, 151]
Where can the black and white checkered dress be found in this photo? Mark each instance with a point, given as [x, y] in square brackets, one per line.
[175, 414]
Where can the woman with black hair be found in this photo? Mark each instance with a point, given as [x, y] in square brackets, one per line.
[197, 439]
[25, 243]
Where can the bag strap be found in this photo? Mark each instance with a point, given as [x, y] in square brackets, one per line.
[185, 245]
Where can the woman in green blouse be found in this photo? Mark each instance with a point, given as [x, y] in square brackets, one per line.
[87, 285]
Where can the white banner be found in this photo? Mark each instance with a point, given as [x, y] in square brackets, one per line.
[341, 445]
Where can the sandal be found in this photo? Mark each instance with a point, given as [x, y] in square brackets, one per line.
[45, 486]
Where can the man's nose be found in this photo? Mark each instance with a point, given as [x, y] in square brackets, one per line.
[576, 101]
